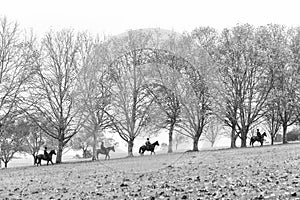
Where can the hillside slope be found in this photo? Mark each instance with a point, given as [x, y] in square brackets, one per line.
[252, 173]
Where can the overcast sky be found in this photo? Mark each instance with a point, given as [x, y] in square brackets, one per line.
[117, 16]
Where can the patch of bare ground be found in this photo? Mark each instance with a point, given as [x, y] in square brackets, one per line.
[251, 173]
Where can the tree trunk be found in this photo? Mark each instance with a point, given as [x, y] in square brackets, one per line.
[195, 143]
[5, 164]
[272, 139]
[130, 147]
[233, 138]
[59, 151]
[94, 146]
[170, 147]
[243, 142]
[84, 154]
[33, 158]
[244, 132]
[284, 140]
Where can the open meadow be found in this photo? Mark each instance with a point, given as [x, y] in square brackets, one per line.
[270, 172]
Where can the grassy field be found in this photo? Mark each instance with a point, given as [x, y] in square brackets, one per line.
[270, 172]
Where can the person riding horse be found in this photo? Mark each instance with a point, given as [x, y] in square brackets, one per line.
[103, 149]
[148, 143]
[46, 156]
[150, 147]
[259, 138]
[46, 153]
[258, 134]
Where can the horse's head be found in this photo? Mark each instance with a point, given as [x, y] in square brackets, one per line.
[156, 143]
[113, 148]
[264, 134]
[52, 152]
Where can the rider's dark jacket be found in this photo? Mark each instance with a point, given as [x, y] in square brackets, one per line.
[46, 153]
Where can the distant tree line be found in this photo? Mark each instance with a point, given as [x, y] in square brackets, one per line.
[71, 89]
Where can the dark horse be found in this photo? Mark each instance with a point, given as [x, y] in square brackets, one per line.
[40, 157]
[105, 151]
[151, 148]
[258, 139]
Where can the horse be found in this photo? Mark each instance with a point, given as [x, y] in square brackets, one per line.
[105, 152]
[40, 157]
[151, 148]
[258, 139]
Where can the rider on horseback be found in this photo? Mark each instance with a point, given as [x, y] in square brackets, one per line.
[258, 134]
[147, 143]
[103, 149]
[46, 153]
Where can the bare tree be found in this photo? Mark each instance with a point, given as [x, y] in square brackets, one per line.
[169, 103]
[34, 140]
[52, 92]
[225, 99]
[17, 57]
[194, 91]
[282, 48]
[82, 141]
[213, 131]
[130, 99]
[244, 74]
[95, 86]
[272, 117]
[12, 134]
[179, 139]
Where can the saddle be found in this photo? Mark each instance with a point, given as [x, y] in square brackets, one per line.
[147, 147]
[103, 151]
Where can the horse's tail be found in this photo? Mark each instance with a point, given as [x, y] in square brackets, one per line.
[140, 150]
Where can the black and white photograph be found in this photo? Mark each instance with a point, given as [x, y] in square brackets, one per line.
[146, 100]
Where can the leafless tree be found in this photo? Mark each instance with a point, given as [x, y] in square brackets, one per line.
[194, 91]
[95, 86]
[17, 57]
[244, 76]
[130, 99]
[213, 131]
[82, 141]
[272, 117]
[52, 93]
[179, 139]
[12, 134]
[164, 94]
[34, 140]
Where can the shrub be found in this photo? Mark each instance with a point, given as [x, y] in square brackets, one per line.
[293, 135]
